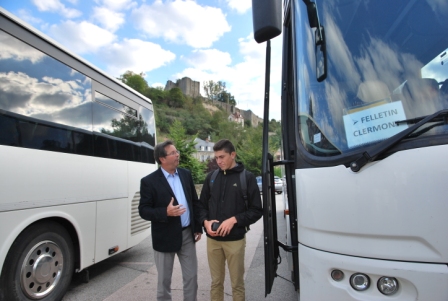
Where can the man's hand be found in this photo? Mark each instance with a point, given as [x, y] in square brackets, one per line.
[174, 210]
[197, 236]
[208, 227]
[226, 226]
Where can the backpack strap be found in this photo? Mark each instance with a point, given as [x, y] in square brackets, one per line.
[243, 181]
[213, 177]
[244, 186]
[212, 180]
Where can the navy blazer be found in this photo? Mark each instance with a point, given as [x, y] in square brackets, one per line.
[155, 195]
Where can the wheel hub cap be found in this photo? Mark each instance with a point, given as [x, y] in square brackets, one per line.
[41, 269]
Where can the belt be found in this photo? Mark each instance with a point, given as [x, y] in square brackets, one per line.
[183, 228]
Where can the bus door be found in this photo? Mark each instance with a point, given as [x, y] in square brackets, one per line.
[267, 25]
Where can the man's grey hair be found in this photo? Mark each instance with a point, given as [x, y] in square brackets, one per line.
[159, 150]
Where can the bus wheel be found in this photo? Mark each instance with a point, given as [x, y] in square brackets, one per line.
[39, 265]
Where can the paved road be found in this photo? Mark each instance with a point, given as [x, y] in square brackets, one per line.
[132, 276]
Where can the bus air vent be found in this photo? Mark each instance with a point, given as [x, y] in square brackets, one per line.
[137, 223]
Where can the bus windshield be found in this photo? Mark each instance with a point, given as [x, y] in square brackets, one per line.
[386, 61]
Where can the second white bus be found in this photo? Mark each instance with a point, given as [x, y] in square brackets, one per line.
[74, 144]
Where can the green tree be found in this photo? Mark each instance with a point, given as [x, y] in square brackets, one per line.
[226, 97]
[216, 118]
[135, 81]
[180, 139]
[158, 95]
[229, 130]
[130, 128]
[278, 171]
[249, 149]
[275, 138]
[176, 97]
[212, 89]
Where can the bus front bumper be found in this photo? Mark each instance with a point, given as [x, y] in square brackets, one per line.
[416, 281]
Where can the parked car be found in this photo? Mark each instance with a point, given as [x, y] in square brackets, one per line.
[259, 184]
[278, 184]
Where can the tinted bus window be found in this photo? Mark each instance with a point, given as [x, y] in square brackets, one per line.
[118, 135]
[34, 84]
[47, 105]
[44, 104]
[148, 135]
[115, 104]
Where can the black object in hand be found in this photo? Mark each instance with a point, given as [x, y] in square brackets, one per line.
[215, 226]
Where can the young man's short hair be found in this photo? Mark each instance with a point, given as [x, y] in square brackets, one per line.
[159, 150]
[225, 145]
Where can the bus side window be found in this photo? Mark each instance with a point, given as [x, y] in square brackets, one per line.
[26, 131]
[82, 143]
[114, 133]
[8, 135]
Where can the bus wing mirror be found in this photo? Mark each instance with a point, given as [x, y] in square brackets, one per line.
[320, 42]
[321, 54]
[267, 19]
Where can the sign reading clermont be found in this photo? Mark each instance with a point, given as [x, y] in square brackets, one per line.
[373, 123]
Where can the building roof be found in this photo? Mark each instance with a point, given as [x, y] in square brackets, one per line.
[199, 142]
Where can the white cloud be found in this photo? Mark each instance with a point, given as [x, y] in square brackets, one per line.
[135, 55]
[241, 6]
[17, 50]
[158, 85]
[30, 91]
[182, 22]
[116, 5]
[250, 49]
[109, 19]
[246, 80]
[208, 59]
[55, 6]
[83, 37]
[27, 16]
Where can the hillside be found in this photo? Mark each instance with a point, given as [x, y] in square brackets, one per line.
[210, 107]
[202, 118]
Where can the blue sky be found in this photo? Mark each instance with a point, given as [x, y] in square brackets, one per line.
[166, 40]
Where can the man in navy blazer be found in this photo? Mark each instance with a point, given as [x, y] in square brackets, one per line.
[169, 200]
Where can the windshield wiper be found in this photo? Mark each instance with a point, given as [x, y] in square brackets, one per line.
[380, 148]
[439, 117]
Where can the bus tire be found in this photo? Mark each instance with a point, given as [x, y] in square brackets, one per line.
[39, 265]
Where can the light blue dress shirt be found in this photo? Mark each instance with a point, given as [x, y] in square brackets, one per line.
[176, 186]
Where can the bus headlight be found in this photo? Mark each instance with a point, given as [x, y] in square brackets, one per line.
[360, 282]
[387, 285]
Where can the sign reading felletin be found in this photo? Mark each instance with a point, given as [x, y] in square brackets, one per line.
[374, 123]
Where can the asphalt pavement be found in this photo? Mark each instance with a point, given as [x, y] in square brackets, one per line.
[132, 275]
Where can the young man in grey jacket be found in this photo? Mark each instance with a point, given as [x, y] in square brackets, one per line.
[222, 203]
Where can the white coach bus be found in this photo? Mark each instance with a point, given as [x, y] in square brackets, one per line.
[74, 144]
[365, 142]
